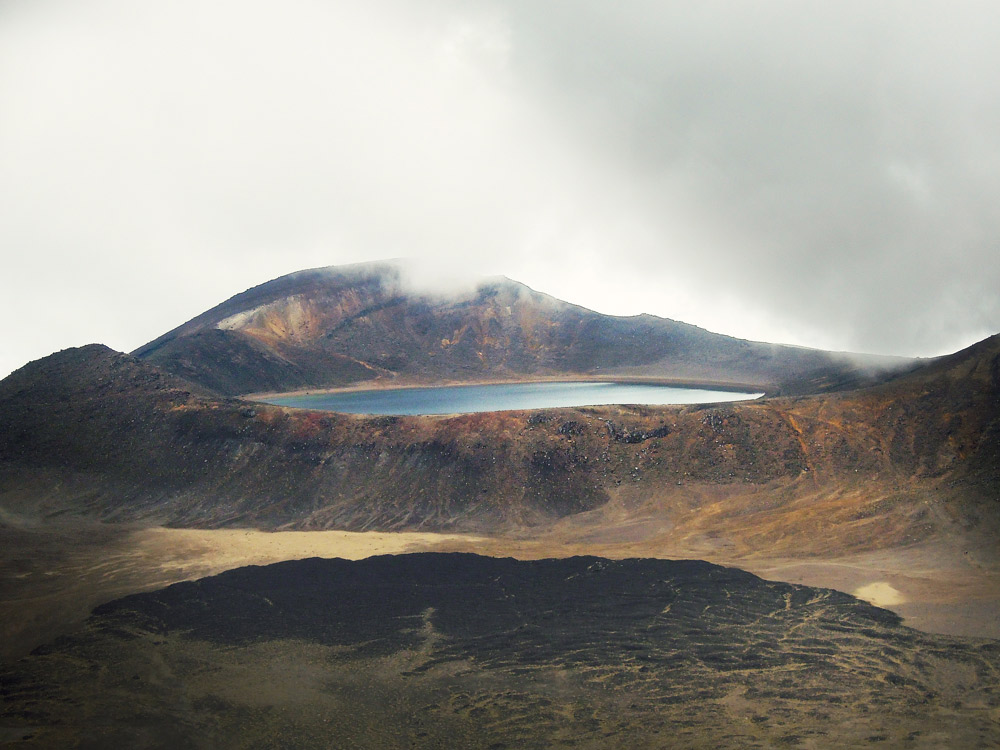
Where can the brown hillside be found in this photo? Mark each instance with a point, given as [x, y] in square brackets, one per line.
[96, 432]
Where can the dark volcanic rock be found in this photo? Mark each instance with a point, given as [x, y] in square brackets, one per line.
[437, 650]
[624, 435]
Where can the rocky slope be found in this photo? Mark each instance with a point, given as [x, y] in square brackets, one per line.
[97, 432]
[464, 651]
[333, 326]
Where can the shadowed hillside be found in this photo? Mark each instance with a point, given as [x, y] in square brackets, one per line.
[333, 326]
[97, 432]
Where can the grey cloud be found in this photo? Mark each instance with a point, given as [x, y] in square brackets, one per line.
[839, 157]
[818, 173]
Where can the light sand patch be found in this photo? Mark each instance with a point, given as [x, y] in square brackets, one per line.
[51, 577]
[206, 552]
[880, 593]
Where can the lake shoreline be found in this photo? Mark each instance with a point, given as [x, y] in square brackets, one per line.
[380, 384]
[496, 397]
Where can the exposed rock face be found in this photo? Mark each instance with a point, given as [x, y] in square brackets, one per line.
[335, 326]
[436, 650]
[97, 432]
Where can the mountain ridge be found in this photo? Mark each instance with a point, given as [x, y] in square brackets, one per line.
[335, 326]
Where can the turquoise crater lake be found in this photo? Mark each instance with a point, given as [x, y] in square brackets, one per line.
[464, 399]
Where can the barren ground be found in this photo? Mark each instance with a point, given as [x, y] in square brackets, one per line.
[466, 651]
[52, 576]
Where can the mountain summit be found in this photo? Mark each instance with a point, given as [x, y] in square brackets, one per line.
[334, 326]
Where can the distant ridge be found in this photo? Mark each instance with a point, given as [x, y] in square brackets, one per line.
[334, 326]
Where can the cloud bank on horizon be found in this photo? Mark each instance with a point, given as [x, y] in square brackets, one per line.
[816, 173]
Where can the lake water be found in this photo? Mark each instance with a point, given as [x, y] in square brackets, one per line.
[474, 398]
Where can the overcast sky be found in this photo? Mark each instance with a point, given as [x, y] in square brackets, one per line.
[818, 173]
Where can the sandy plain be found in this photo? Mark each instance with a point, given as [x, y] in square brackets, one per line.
[53, 575]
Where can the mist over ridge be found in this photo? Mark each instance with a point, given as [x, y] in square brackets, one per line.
[335, 326]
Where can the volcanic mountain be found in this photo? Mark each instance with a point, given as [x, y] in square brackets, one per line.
[334, 326]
